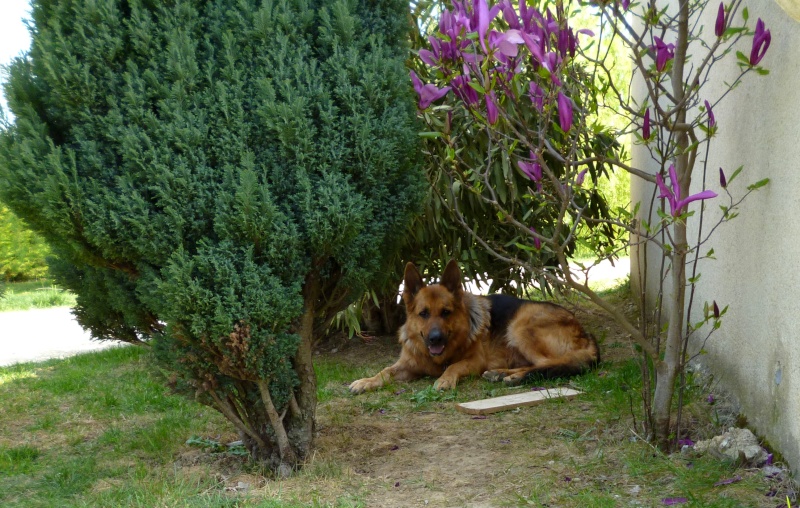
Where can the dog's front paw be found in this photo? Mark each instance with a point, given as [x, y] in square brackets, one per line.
[364, 385]
[445, 383]
[493, 376]
[514, 379]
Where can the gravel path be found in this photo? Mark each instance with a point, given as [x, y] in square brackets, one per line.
[40, 334]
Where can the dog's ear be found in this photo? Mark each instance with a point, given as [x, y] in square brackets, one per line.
[412, 283]
[451, 278]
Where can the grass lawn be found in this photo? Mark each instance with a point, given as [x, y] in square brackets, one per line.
[100, 430]
[34, 295]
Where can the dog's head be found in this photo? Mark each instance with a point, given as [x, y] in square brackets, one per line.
[436, 314]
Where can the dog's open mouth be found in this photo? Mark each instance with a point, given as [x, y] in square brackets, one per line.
[436, 350]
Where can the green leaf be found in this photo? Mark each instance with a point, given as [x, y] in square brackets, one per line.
[430, 135]
[735, 174]
[742, 58]
[693, 147]
[525, 247]
[733, 31]
[745, 14]
[758, 184]
[623, 212]
[477, 87]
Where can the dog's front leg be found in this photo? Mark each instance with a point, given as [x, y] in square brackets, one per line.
[449, 379]
[400, 371]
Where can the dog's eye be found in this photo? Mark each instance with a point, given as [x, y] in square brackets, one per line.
[425, 314]
[446, 312]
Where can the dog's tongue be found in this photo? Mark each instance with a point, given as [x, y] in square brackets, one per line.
[436, 350]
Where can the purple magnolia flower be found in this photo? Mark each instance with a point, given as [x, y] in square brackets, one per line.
[711, 120]
[450, 25]
[551, 62]
[664, 53]
[761, 40]
[510, 15]
[429, 57]
[532, 170]
[506, 43]
[625, 4]
[719, 27]
[673, 196]
[580, 177]
[485, 17]
[491, 108]
[465, 92]
[564, 112]
[536, 241]
[427, 93]
[716, 310]
[567, 42]
[669, 501]
[525, 14]
[535, 45]
[537, 95]
[723, 182]
[646, 125]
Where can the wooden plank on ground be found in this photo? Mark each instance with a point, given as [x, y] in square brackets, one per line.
[506, 402]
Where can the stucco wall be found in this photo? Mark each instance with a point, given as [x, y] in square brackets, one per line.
[756, 353]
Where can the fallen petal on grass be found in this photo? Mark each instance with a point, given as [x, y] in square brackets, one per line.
[728, 481]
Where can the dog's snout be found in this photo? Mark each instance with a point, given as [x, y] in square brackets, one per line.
[435, 337]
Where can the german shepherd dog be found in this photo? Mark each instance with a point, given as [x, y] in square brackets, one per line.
[451, 334]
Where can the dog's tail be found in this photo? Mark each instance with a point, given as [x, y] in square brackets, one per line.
[595, 349]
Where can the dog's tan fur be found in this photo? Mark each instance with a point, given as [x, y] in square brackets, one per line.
[503, 338]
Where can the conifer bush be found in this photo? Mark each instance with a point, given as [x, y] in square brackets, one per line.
[217, 179]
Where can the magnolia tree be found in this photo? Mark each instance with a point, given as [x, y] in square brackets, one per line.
[493, 62]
